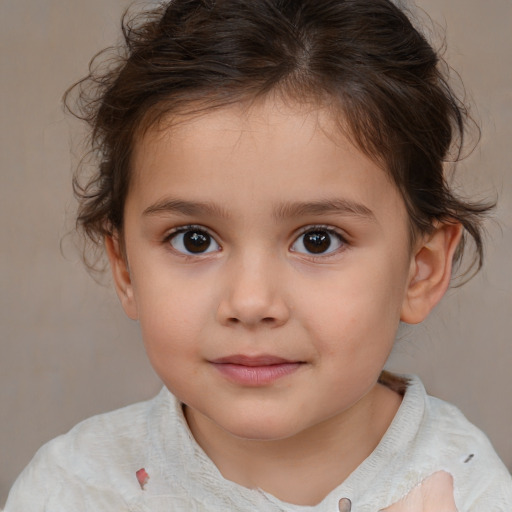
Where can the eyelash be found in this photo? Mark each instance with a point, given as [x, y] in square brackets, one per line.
[332, 232]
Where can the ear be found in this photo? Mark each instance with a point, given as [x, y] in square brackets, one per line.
[431, 271]
[121, 275]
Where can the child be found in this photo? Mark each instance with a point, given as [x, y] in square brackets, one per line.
[271, 198]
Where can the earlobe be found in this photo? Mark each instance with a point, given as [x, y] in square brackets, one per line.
[121, 276]
[431, 270]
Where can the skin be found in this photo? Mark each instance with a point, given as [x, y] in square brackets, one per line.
[254, 180]
[435, 494]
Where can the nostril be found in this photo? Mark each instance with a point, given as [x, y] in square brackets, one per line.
[268, 320]
[252, 309]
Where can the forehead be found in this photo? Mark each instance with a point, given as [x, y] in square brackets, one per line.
[262, 117]
[268, 151]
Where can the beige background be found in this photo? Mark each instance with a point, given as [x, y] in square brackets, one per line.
[67, 352]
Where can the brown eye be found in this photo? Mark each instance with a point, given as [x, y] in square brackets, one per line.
[193, 241]
[318, 241]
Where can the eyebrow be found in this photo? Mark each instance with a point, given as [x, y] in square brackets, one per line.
[325, 207]
[285, 210]
[190, 208]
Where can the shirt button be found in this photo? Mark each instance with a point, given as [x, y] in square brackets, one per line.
[345, 505]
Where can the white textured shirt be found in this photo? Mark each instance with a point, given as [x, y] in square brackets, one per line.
[93, 467]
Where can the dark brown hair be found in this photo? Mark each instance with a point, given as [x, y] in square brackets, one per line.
[362, 58]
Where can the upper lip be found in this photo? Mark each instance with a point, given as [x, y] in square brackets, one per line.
[261, 360]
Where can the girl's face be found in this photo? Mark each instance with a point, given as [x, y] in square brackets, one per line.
[268, 263]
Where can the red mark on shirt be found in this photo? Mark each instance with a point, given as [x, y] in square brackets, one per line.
[142, 477]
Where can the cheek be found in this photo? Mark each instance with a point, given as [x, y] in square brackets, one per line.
[354, 300]
[172, 341]
[354, 316]
[173, 316]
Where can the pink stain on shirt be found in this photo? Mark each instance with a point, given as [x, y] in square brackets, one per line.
[142, 477]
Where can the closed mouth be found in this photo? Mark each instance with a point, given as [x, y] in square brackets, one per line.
[255, 371]
[261, 360]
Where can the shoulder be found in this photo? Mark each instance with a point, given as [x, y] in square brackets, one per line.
[95, 462]
[450, 434]
[447, 441]
[431, 445]
[97, 442]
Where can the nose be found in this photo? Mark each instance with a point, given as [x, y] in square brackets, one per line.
[253, 294]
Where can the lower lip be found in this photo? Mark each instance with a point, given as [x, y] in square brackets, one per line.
[256, 375]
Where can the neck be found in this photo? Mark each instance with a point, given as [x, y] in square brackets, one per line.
[304, 468]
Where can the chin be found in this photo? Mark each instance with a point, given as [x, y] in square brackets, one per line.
[262, 429]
